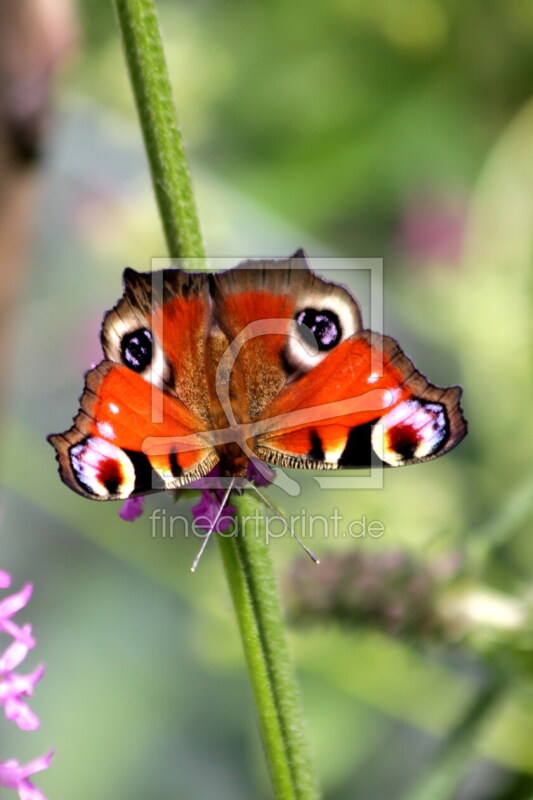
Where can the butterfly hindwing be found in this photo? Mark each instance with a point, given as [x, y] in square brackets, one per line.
[320, 392]
[365, 400]
[104, 456]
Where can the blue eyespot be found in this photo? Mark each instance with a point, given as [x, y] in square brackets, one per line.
[137, 349]
[320, 329]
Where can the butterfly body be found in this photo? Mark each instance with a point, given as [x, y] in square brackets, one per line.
[267, 361]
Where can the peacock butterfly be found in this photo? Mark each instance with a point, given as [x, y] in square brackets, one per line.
[263, 361]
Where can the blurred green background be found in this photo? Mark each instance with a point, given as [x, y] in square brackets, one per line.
[401, 130]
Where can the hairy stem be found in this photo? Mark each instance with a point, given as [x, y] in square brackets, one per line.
[245, 556]
[256, 600]
[145, 57]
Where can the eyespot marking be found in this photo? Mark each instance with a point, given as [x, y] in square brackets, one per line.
[101, 468]
[403, 440]
[413, 429]
[325, 316]
[110, 475]
[136, 349]
[319, 328]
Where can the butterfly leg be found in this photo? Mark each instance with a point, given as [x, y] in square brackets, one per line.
[279, 515]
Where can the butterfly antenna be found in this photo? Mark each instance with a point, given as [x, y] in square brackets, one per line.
[213, 526]
[280, 516]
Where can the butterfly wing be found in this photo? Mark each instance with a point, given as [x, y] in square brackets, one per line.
[310, 387]
[365, 401]
[256, 305]
[321, 392]
[175, 307]
[141, 427]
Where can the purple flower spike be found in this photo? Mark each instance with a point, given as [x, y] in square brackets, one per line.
[5, 580]
[14, 776]
[132, 509]
[206, 510]
[14, 688]
[260, 473]
[14, 602]
[207, 481]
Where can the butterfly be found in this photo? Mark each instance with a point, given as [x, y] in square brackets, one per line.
[264, 361]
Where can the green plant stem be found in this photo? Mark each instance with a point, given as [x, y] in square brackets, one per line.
[245, 556]
[257, 606]
[145, 57]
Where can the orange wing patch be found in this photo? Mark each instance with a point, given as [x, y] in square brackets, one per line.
[366, 399]
[103, 456]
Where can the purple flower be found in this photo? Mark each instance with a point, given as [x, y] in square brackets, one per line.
[15, 687]
[432, 227]
[132, 508]
[205, 512]
[14, 776]
[5, 580]
[9, 606]
[260, 473]
[213, 491]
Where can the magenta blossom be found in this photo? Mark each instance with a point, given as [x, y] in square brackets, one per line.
[206, 510]
[260, 473]
[132, 508]
[14, 776]
[14, 688]
[432, 227]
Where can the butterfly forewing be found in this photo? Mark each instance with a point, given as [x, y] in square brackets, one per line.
[152, 389]
[368, 401]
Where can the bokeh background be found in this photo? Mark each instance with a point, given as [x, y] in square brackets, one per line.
[395, 130]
